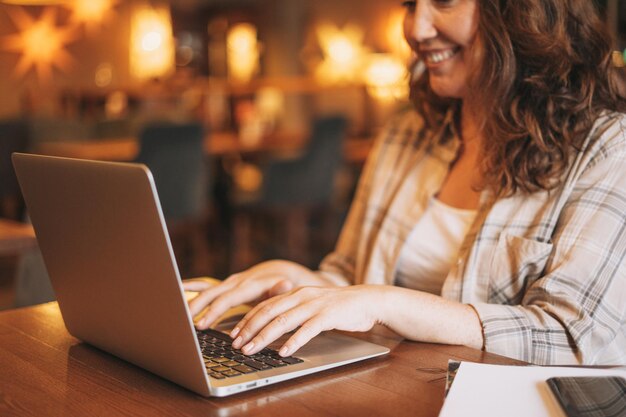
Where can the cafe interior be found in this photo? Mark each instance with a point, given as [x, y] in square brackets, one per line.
[255, 116]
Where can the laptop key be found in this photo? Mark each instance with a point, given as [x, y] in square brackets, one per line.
[291, 360]
[256, 365]
[215, 334]
[220, 359]
[230, 373]
[217, 375]
[244, 369]
[210, 365]
[220, 368]
[273, 362]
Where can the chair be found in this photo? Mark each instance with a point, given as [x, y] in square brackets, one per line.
[175, 155]
[14, 137]
[32, 285]
[292, 191]
[309, 179]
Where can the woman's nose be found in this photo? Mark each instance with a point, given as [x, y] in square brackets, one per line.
[421, 25]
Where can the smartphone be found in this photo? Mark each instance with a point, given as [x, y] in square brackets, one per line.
[597, 396]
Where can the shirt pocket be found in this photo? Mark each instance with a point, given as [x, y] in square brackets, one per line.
[516, 264]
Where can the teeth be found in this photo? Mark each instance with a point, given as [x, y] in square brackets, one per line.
[437, 57]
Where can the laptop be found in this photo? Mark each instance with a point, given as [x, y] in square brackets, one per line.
[105, 244]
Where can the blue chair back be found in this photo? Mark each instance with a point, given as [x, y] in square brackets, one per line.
[14, 137]
[308, 180]
[175, 155]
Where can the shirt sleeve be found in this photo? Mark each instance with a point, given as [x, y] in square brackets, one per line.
[576, 311]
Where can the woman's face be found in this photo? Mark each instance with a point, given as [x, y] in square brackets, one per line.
[441, 32]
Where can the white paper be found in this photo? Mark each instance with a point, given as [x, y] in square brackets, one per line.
[509, 391]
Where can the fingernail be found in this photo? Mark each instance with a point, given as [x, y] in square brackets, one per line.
[284, 351]
[248, 348]
[234, 332]
[237, 342]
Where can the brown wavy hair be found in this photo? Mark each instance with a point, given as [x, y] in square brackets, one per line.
[541, 75]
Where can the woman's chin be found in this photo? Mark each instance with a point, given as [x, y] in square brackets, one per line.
[446, 89]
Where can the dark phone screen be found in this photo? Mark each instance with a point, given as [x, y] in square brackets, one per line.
[590, 396]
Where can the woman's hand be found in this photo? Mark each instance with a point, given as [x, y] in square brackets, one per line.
[314, 310]
[412, 314]
[261, 281]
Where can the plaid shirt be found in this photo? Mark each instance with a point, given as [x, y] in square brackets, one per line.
[545, 272]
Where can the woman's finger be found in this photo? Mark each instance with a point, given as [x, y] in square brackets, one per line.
[276, 293]
[260, 316]
[197, 285]
[283, 286]
[278, 326]
[197, 304]
[304, 334]
[233, 297]
[274, 310]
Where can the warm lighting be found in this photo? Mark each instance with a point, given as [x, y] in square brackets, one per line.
[152, 43]
[395, 35]
[243, 52]
[343, 54]
[91, 13]
[40, 42]
[270, 103]
[386, 77]
[104, 75]
[116, 104]
[34, 2]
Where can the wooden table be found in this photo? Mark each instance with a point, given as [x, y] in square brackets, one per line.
[15, 237]
[45, 371]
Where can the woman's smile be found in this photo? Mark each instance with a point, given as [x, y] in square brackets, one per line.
[437, 56]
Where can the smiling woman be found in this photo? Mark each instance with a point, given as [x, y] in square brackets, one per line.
[491, 215]
[442, 34]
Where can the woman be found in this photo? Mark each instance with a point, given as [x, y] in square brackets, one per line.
[493, 216]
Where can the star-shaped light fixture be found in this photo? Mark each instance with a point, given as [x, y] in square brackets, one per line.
[41, 42]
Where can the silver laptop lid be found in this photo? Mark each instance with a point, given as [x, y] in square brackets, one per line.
[106, 248]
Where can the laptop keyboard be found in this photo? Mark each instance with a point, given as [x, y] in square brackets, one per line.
[223, 361]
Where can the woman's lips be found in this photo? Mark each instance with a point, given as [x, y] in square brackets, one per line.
[439, 55]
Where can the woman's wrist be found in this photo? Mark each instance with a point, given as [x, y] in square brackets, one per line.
[426, 317]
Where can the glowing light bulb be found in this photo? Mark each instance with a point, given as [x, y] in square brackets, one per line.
[385, 77]
[243, 52]
[151, 41]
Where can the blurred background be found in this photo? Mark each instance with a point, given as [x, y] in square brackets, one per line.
[255, 116]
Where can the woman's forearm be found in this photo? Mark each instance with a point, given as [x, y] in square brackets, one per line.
[425, 317]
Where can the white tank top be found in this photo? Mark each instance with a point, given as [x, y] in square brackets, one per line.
[433, 246]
